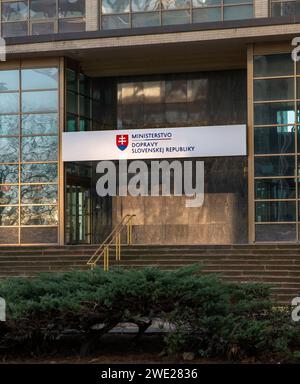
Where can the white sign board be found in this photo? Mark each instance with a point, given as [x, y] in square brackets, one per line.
[227, 140]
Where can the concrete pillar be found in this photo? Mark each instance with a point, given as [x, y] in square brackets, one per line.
[261, 8]
[92, 15]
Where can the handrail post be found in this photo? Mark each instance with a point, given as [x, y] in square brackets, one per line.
[118, 247]
[129, 232]
[106, 258]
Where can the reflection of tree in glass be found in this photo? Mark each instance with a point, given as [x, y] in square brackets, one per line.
[67, 7]
[145, 5]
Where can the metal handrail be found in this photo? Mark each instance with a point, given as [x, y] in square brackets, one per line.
[113, 238]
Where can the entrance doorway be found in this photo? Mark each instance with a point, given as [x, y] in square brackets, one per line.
[78, 214]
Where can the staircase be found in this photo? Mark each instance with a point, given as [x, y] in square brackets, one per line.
[278, 265]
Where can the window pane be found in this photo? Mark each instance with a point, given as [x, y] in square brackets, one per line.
[71, 123]
[145, 19]
[74, 8]
[238, 13]
[35, 173]
[179, 4]
[9, 150]
[275, 89]
[9, 103]
[72, 102]
[14, 11]
[39, 124]
[275, 232]
[288, 8]
[42, 78]
[115, 6]
[207, 15]
[39, 148]
[71, 77]
[9, 194]
[176, 17]
[9, 174]
[273, 65]
[9, 216]
[274, 113]
[274, 140]
[275, 211]
[144, 5]
[43, 28]
[9, 125]
[42, 9]
[9, 81]
[275, 166]
[275, 189]
[115, 22]
[39, 215]
[39, 194]
[19, 28]
[66, 26]
[43, 101]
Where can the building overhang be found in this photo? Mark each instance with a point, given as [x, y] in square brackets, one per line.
[212, 46]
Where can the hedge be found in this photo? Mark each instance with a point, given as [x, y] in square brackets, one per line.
[209, 317]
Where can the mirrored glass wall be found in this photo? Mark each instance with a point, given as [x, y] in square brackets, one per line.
[276, 147]
[29, 145]
[40, 17]
[118, 14]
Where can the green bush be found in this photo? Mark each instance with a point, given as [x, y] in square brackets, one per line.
[208, 316]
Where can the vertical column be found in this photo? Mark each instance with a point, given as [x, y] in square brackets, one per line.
[251, 216]
[92, 15]
[261, 8]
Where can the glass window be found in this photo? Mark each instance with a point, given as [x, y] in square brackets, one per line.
[275, 166]
[274, 89]
[274, 113]
[205, 15]
[40, 101]
[19, 28]
[39, 173]
[273, 65]
[279, 139]
[39, 194]
[115, 22]
[39, 123]
[39, 215]
[71, 77]
[151, 19]
[176, 17]
[145, 5]
[283, 8]
[9, 174]
[14, 11]
[73, 8]
[268, 189]
[275, 232]
[9, 150]
[43, 28]
[9, 80]
[39, 148]
[115, 6]
[42, 9]
[9, 125]
[68, 26]
[275, 211]
[9, 216]
[9, 103]
[9, 194]
[41, 78]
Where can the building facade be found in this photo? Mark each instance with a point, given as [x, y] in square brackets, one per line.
[77, 66]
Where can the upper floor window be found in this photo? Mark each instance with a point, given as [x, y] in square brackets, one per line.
[38, 17]
[283, 8]
[118, 14]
